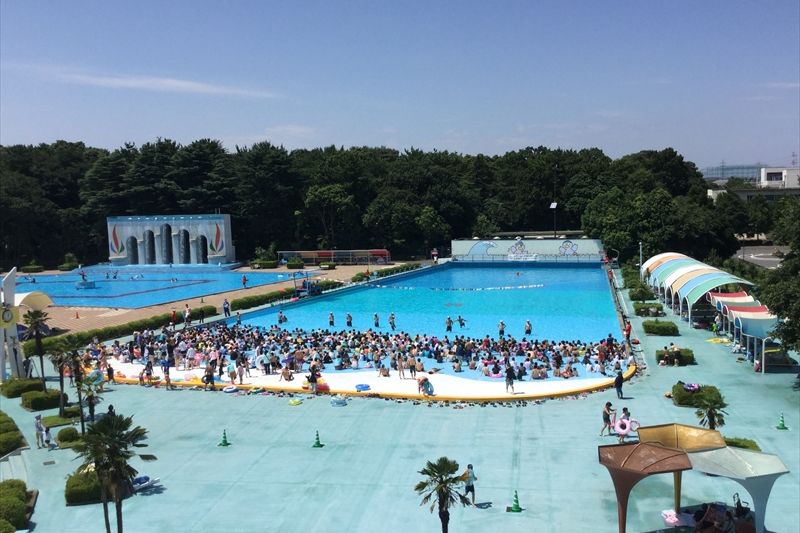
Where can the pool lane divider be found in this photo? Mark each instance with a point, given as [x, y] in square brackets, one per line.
[607, 384]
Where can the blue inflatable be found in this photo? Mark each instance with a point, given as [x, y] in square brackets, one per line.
[362, 387]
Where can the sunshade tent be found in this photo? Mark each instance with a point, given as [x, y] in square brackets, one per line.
[668, 447]
[673, 277]
[700, 289]
[661, 273]
[755, 471]
[656, 260]
[680, 282]
[35, 300]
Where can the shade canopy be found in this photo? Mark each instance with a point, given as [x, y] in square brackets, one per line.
[35, 300]
[699, 290]
[690, 438]
[681, 281]
[758, 325]
[656, 260]
[672, 278]
[661, 273]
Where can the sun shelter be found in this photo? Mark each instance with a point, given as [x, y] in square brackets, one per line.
[755, 471]
[668, 447]
[35, 300]
[672, 289]
[756, 326]
[660, 273]
[649, 265]
[673, 277]
[691, 295]
[628, 464]
[716, 297]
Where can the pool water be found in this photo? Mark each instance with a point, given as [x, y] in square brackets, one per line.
[141, 286]
[562, 302]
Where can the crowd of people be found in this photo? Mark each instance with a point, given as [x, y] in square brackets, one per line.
[237, 350]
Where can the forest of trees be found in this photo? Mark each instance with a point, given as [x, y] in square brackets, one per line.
[54, 198]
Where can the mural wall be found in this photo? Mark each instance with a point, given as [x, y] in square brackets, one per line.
[528, 249]
[167, 239]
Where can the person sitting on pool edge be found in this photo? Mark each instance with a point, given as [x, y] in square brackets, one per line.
[286, 374]
[383, 371]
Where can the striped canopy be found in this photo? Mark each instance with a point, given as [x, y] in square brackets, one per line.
[717, 280]
[662, 271]
[656, 260]
[679, 283]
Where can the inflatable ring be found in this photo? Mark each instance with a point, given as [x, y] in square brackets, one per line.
[295, 402]
[362, 387]
[230, 388]
[622, 427]
[495, 375]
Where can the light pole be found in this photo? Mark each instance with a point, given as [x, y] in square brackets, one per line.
[640, 254]
[553, 206]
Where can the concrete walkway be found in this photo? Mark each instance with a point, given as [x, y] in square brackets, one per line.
[271, 479]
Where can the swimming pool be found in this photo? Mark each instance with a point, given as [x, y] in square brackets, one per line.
[141, 286]
[569, 302]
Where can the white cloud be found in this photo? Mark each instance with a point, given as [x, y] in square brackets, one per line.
[139, 82]
[782, 85]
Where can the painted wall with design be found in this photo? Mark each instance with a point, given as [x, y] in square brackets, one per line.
[170, 239]
[527, 249]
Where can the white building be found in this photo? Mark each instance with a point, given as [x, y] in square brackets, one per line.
[781, 178]
[773, 184]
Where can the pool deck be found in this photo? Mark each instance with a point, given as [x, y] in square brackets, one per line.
[271, 479]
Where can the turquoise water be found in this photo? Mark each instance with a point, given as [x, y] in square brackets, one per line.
[562, 302]
[141, 286]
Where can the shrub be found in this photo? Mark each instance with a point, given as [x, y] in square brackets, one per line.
[295, 263]
[740, 442]
[73, 411]
[8, 426]
[641, 293]
[328, 284]
[397, 269]
[643, 309]
[684, 398]
[6, 527]
[13, 510]
[327, 266]
[14, 491]
[68, 435]
[261, 299]
[66, 267]
[659, 327]
[685, 357]
[82, 487]
[13, 388]
[31, 268]
[630, 275]
[82, 338]
[359, 277]
[264, 263]
[9, 442]
[14, 483]
[39, 401]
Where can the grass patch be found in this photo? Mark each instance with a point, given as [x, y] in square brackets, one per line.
[683, 398]
[685, 357]
[54, 421]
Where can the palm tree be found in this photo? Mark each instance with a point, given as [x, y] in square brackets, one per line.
[440, 486]
[61, 361]
[107, 446]
[710, 410]
[37, 323]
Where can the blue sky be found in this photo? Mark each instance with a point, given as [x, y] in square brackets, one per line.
[716, 80]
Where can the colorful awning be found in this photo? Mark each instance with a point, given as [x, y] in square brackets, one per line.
[656, 260]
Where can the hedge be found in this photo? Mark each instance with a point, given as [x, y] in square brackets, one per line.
[397, 269]
[13, 510]
[658, 327]
[82, 338]
[13, 388]
[327, 266]
[15, 488]
[6, 527]
[68, 435]
[359, 277]
[81, 488]
[9, 442]
[263, 263]
[66, 267]
[248, 302]
[643, 308]
[295, 263]
[684, 398]
[31, 269]
[39, 401]
[641, 294]
[739, 442]
[7, 426]
[685, 356]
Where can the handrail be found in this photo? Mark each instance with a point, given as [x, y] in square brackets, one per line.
[534, 258]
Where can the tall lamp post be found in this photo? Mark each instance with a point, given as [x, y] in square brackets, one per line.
[553, 206]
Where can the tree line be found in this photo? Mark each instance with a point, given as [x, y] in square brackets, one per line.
[54, 198]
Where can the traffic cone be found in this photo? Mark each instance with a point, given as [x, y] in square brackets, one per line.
[76, 315]
[317, 443]
[224, 441]
[781, 423]
[515, 508]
